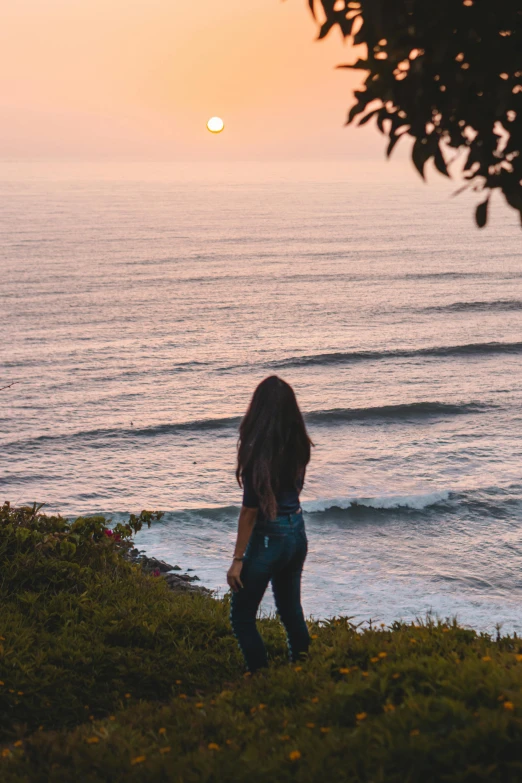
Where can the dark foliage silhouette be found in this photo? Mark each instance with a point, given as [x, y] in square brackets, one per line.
[449, 74]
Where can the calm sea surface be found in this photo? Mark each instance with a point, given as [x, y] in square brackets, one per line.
[141, 305]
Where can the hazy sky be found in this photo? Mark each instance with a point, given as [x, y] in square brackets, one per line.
[139, 78]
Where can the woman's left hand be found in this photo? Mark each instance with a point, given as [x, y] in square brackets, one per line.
[234, 575]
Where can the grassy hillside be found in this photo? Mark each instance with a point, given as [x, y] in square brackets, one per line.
[107, 675]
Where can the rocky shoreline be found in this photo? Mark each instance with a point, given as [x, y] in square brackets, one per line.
[182, 583]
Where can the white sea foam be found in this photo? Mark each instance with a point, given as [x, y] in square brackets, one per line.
[416, 502]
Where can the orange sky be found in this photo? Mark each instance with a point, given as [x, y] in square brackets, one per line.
[139, 78]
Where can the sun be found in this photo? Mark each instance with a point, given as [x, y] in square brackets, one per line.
[215, 125]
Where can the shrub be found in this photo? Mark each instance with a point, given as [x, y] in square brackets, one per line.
[81, 626]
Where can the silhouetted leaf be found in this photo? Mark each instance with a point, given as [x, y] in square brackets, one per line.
[368, 116]
[481, 213]
[361, 65]
[439, 161]
[325, 28]
[420, 154]
[382, 115]
[393, 141]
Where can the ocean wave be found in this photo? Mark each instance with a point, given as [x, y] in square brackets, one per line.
[111, 433]
[414, 502]
[318, 418]
[484, 503]
[399, 412]
[348, 357]
[442, 275]
[498, 305]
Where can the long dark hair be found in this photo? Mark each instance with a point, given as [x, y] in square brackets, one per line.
[273, 442]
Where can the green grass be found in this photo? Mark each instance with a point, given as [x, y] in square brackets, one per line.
[109, 676]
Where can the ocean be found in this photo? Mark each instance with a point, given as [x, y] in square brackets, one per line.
[141, 305]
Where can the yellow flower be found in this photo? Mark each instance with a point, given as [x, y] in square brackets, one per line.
[246, 675]
[486, 658]
[310, 725]
[389, 708]
[213, 746]
[112, 717]
[518, 657]
[413, 641]
[374, 660]
[414, 733]
[284, 737]
[344, 671]
[396, 676]
[508, 705]
[445, 630]
[199, 704]
[178, 682]
[3, 683]
[361, 715]
[138, 760]
[382, 625]
[165, 750]
[93, 740]
[182, 696]
[383, 654]
[127, 695]
[162, 731]
[2, 638]
[262, 706]
[18, 744]
[314, 636]
[315, 699]
[5, 753]
[298, 669]
[325, 729]
[295, 755]
[365, 674]
[20, 693]
[229, 742]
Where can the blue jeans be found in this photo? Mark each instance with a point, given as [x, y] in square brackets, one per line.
[276, 553]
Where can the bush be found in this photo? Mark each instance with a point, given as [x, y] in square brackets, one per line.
[425, 702]
[81, 628]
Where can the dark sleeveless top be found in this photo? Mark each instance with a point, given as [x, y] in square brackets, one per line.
[287, 497]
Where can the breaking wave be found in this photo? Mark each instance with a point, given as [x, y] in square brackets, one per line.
[413, 502]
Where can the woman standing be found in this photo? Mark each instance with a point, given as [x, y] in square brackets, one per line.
[271, 546]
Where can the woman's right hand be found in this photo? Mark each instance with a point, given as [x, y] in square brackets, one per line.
[234, 575]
